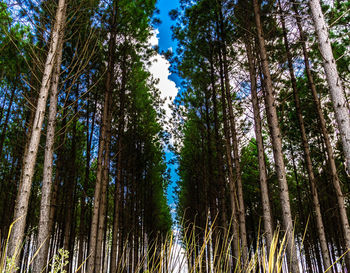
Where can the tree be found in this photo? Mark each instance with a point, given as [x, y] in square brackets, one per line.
[268, 224]
[44, 223]
[341, 107]
[305, 144]
[30, 157]
[277, 144]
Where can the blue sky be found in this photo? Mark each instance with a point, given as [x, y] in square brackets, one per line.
[165, 42]
[164, 36]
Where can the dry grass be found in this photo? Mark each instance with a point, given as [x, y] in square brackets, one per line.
[172, 256]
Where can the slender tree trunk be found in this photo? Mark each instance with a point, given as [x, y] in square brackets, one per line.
[329, 149]
[307, 156]
[44, 229]
[236, 159]
[217, 190]
[277, 146]
[55, 188]
[302, 218]
[70, 187]
[103, 141]
[209, 166]
[22, 200]
[4, 128]
[89, 137]
[113, 263]
[98, 186]
[232, 186]
[2, 107]
[103, 205]
[341, 108]
[268, 223]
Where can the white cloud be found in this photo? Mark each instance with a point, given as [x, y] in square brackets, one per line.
[160, 70]
[153, 40]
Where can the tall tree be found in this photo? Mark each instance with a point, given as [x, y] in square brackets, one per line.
[305, 144]
[104, 128]
[276, 139]
[45, 206]
[340, 104]
[22, 199]
[268, 223]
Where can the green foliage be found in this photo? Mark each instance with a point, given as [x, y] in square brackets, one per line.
[59, 261]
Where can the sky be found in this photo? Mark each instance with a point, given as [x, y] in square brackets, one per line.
[164, 7]
[168, 83]
[168, 86]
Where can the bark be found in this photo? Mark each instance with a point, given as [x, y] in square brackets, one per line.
[341, 107]
[209, 168]
[306, 148]
[327, 141]
[236, 159]
[70, 189]
[268, 223]
[56, 182]
[89, 136]
[22, 199]
[2, 108]
[4, 128]
[98, 186]
[217, 190]
[44, 220]
[103, 205]
[232, 186]
[113, 262]
[102, 143]
[277, 146]
[121, 219]
[302, 218]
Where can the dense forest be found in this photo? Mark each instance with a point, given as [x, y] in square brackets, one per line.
[259, 137]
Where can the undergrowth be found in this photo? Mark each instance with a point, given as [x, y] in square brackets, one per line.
[174, 255]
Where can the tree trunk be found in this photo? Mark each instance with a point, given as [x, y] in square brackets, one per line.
[268, 223]
[89, 136]
[341, 108]
[4, 128]
[329, 149]
[236, 159]
[70, 185]
[302, 218]
[102, 142]
[103, 205]
[277, 146]
[98, 186]
[232, 186]
[22, 199]
[113, 263]
[217, 189]
[307, 156]
[44, 229]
